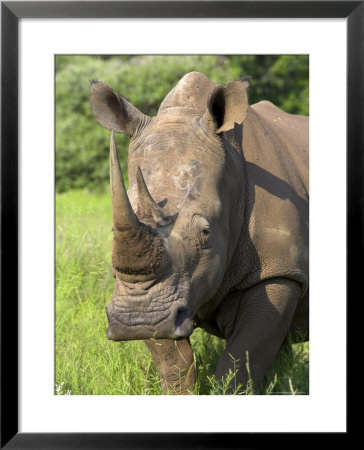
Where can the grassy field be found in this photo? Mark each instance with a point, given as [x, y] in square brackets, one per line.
[89, 364]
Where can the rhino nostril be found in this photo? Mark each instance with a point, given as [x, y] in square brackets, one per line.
[181, 316]
[183, 324]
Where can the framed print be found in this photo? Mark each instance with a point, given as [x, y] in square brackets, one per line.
[39, 38]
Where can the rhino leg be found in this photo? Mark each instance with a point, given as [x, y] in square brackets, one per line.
[175, 364]
[263, 320]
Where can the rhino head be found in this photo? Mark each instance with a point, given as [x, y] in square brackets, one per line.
[173, 239]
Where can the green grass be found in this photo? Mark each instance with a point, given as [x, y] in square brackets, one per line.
[87, 363]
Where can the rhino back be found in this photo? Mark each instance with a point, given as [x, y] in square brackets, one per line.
[275, 146]
[278, 142]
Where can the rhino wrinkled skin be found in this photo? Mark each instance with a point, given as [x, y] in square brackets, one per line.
[213, 231]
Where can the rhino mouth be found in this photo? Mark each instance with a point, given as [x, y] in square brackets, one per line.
[126, 324]
[149, 309]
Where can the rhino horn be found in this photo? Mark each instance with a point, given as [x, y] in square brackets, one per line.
[138, 250]
[147, 202]
[123, 214]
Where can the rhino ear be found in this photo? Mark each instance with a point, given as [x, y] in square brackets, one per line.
[228, 105]
[112, 111]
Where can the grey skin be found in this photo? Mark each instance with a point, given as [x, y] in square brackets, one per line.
[213, 231]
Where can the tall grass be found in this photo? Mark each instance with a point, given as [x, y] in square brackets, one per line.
[87, 363]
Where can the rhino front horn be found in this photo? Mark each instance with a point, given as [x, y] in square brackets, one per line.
[138, 250]
[123, 214]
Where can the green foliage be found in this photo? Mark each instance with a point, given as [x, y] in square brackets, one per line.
[87, 363]
[82, 144]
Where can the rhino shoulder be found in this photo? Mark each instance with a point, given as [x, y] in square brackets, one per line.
[264, 104]
[267, 108]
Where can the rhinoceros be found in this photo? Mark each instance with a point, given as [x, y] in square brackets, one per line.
[213, 231]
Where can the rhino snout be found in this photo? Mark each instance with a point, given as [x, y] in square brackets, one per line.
[173, 323]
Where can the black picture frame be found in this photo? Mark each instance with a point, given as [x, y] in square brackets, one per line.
[11, 12]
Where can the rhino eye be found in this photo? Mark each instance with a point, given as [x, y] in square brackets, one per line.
[201, 229]
[204, 236]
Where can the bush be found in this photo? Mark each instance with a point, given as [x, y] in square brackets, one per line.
[82, 144]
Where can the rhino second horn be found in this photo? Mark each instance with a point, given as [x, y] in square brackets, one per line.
[147, 202]
[123, 214]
